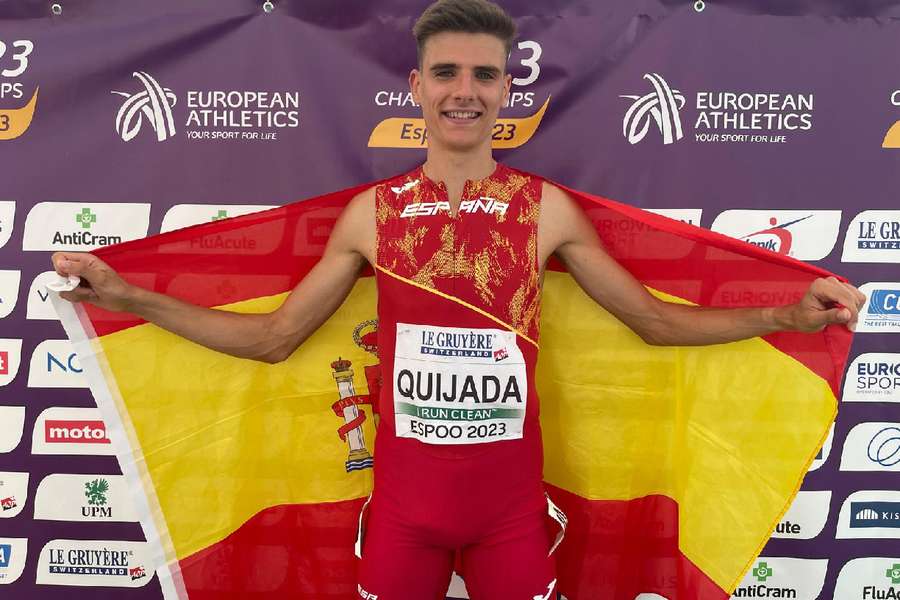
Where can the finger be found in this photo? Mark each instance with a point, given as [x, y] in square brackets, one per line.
[839, 316]
[60, 263]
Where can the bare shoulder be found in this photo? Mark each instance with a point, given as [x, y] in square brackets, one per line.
[355, 229]
[562, 220]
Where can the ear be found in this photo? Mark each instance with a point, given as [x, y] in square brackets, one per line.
[415, 80]
[507, 84]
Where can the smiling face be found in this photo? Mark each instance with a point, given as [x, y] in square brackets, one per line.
[461, 85]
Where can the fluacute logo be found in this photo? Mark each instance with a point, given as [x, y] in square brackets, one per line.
[12, 558]
[892, 137]
[806, 517]
[185, 215]
[55, 365]
[13, 493]
[873, 236]
[873, 377]
[9, 291]
[12, 422]
[882, 310]
[94, 563]
[870, 514]
[7, 219]
[64, 430]
[10, 356]
[804, 235]
[872, 447]
[662, 105]
[81, 227]
[869, 579]
[153, 103]
[63, 497]
[798, 578]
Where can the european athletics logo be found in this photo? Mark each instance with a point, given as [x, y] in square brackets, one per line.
[661, 105]
[154, 102]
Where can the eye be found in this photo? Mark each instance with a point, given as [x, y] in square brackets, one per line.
[444, 74]
[485, 75]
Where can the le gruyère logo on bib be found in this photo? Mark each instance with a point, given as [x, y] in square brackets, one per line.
[458, 385]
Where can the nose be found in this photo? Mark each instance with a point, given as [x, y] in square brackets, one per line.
[465, 89]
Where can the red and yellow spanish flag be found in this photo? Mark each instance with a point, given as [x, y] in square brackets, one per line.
[672, 464]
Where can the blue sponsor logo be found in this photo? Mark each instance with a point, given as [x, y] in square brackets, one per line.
[884, 447]
[66, 365]
[874, 514]
[5, 552]
[446, 343]
[884, 307]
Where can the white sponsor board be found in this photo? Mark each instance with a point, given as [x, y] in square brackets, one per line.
[65, 497]
[99, 563]
[7, 220]
[870, 514]
[65, 430]
[685, 215]
[801, 234]
[12, 422]
[13, 493]
[83, 226]
[871, 578]
[872, 446]
[54, 364]
[881, 313]
[873, 377]
[9, 291]
[873, 236]
[823, 454]
[806, 517]
[38, 304]
[457, 385]
[185, 215]
[10, 357]
[13, 552]
[779, 577]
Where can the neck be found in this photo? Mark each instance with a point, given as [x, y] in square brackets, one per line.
[454, 168]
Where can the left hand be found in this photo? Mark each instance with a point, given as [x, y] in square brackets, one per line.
[827, 301]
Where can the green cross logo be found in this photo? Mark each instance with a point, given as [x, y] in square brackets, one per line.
[893, 574]
[86, 218]
[95, 491]
[762, 571]
[222, 214]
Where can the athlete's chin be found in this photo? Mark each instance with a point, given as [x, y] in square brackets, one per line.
[463, 143]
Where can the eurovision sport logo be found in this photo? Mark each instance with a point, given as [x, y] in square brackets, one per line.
[245, 115]
[873, 236]
[870, 514]
[804, 235]
[881, 313]
[13, 492]
[101, 563]
[721, 116]
[15, 118]
[873, 377]
[873, 578]
[64, 497]
[802, 579]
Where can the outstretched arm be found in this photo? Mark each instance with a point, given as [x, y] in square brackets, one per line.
[268, 337]
[565, 231]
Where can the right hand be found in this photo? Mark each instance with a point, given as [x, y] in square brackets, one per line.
[100, 284]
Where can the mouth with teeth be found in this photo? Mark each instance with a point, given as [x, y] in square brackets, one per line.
[461, 116]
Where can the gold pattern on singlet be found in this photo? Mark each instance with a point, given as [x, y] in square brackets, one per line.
[520, 314]
[500, 191]
[383, 208]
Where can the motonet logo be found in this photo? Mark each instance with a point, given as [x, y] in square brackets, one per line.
[76, 431]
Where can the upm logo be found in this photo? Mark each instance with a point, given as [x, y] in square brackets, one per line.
[662, 105]
[153, 103]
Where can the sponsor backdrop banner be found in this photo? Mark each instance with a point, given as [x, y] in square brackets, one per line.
[777, 123]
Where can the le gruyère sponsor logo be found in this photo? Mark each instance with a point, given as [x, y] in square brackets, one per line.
[892, 137]
[13, 552]
[872, 447]
[806, 517]
[83, 226]
[13, 492]
[720, 116]
[690, 216]
[94, 563]
[881, 313]
[871, 578]
[508, 131]
[245, 115]
[15, 118]
[55, 365]
[12, 422]
[185, 215]
[458, 385]
[870, 514]
[9, 291]
[804, 235]
[798, 578]
[10, 357]
[873, 377]
[7, 219]
[64, 430]
[873, 236]
[64, 497]
[484, 205]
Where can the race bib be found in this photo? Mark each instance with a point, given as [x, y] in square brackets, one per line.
[456, 385]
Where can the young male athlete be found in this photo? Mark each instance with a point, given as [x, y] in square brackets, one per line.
[459, 246]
